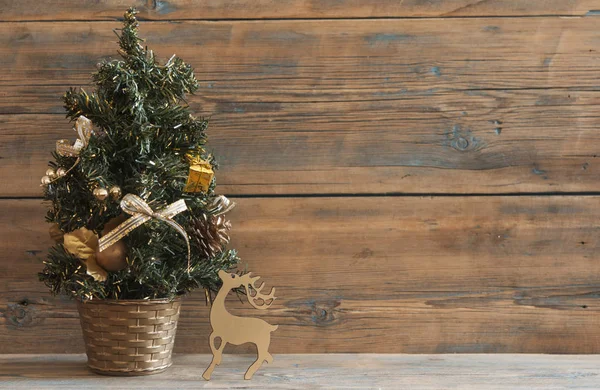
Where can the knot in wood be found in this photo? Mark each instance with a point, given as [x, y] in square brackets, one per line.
[460, 144]
[323, 312]
[19, 314]
[462, 139]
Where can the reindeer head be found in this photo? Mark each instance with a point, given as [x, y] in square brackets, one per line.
[255, 297]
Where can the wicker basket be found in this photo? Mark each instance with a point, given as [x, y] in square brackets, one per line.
[129, 337]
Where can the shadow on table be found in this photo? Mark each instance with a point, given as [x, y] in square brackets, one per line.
[45, 366]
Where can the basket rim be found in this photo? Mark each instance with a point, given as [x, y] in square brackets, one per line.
[128, 301]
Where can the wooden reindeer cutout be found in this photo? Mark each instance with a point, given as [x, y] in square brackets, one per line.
[239, 330]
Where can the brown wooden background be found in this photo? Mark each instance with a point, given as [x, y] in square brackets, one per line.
[415, 176]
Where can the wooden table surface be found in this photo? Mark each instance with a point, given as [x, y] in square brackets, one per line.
[330, 371]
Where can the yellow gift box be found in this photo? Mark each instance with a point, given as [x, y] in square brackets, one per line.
[200, 176]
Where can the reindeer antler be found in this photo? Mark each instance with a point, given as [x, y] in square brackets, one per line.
[259, 296]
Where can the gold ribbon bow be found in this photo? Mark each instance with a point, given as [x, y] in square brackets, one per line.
[141, 213]
[83, 126]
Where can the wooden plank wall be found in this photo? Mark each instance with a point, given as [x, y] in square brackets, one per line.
[414, 176]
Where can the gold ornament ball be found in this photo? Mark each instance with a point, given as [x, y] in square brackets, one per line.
[113, 258]
[50, 173]
[100, 193]
[115, 192]
[46, 180]
[60, 172]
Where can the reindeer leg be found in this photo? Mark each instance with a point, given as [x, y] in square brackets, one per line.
[217, 354]
[253, 368]
[269, 358]
[263, 355]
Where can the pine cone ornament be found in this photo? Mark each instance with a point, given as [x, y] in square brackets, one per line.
[211, 232]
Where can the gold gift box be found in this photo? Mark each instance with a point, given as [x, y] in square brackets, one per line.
[200, 177]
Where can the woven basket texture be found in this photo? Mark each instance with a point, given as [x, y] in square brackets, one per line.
[129, 337]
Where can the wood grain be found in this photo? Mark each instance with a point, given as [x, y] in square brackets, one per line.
[339, 371]
[266, 9]
[406, 154]
[368, 274]
[385, 106]
[450, 97]
[320, 60]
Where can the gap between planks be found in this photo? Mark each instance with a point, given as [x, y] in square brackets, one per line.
[590, 13]
[375, 195]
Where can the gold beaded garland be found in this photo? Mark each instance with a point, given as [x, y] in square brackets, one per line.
[115, 192]
[46, 180]
[61, 172]
[51, 173]
[100, 193]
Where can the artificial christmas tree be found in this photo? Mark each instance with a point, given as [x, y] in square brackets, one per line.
[133, 209]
